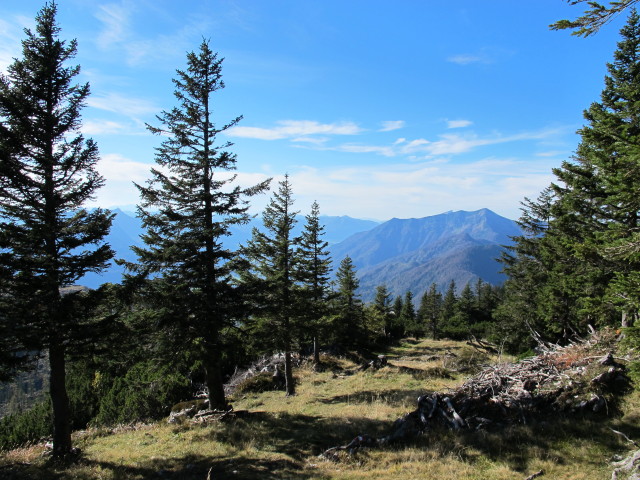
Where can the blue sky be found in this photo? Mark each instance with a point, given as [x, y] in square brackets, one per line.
[376, 109]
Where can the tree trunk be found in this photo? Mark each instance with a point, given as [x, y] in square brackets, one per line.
[215, 385]
[316, 350]
[59, 401]
[288, 374]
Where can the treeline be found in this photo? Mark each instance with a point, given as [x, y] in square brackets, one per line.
[190, 310]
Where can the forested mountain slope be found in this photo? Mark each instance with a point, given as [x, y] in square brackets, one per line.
[410, 254]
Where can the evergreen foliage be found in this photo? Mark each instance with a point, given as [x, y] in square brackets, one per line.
[313, 274]
[187, 208]
[430, 310]
[25, 427]
[348, 323]
[577, 263]
[382, 310]
[47, 240]
[594, 18]
[269, 278]
[408, 316]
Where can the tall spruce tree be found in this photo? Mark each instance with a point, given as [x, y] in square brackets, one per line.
[598, 196]
[270, 263]
[577, 263]
[187, 209]
[312, 273]
[47, 172]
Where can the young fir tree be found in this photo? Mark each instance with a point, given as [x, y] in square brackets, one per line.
[348, 306]
[519, 313]
[397, 323]
[408, 315]
[430, 310]
[47, 172]
[187, 209]
[312, 272]
[270, 263]
[448, 310]
[382, 309]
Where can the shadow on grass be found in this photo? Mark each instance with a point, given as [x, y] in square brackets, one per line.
[297, 436]
[390, 397]
[273, 446]
[187, 468]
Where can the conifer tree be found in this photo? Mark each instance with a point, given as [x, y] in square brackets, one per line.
[577, 264]
[598, 197]
[312, 272]
[349, 312]
[430, 310]
[187, 209]
[397, 323]
[382, 308]
[268, 275]
[408, 315]
[48, 241]
[448, 310]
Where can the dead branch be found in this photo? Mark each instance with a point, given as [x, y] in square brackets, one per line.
[535, 475]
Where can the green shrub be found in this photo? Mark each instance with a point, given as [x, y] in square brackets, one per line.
[146, 392]
[26, 427]
[262, 382]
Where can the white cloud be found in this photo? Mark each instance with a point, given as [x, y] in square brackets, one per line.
[446, 144]
[294, 129]
[466, 59]
[107, 127]
[419, 189]
[458, 123]
[485, 55]
[391, 125]
[355, 148]
[10, 35]
[114, 102]
[553, 153]
[115, 167]
[116, 20]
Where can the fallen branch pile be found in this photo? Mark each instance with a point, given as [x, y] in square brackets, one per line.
[578, 378]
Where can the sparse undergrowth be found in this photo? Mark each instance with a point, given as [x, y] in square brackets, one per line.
[281, 437]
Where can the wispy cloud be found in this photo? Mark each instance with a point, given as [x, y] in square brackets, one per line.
[458, 123]
[116, 19]
[115, 167]
[131, 106]
[424, 188]
[295, 129]
[391, 125]
[120, 32]
[10, 36]
[446, 144]
[466, 59]
[553, 153]
[109, 127]
[486, 55]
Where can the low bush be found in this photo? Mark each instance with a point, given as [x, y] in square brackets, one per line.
[26, 427]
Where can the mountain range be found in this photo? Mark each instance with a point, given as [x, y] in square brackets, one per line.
[411, 254]
[404, 254]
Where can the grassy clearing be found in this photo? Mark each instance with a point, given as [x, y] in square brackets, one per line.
[282, 437]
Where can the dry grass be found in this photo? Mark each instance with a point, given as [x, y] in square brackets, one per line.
[282, 437]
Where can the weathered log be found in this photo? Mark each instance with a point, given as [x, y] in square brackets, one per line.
[535, 475]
